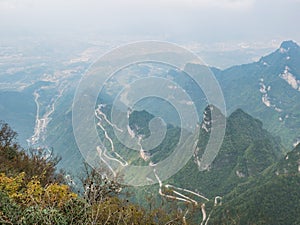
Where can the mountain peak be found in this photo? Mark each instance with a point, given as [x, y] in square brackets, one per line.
[286, 51]
[239, 113]
[287, 45]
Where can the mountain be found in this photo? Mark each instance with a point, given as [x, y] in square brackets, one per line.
[268, 90]
[271, 198]
[246, 151]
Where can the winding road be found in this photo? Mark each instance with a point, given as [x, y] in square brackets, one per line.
[187, 199]
[180, 194]
[101, 116]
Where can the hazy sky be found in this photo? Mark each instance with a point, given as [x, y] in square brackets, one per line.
[181, 20]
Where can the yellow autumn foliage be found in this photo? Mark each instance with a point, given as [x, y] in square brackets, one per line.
[11, 185]
[33, 193]
[58, 194]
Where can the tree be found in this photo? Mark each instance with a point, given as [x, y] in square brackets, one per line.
[7, 136]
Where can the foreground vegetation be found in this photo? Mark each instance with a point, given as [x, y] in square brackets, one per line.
[32, 192]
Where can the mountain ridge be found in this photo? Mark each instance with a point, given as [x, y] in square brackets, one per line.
[268, 89]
